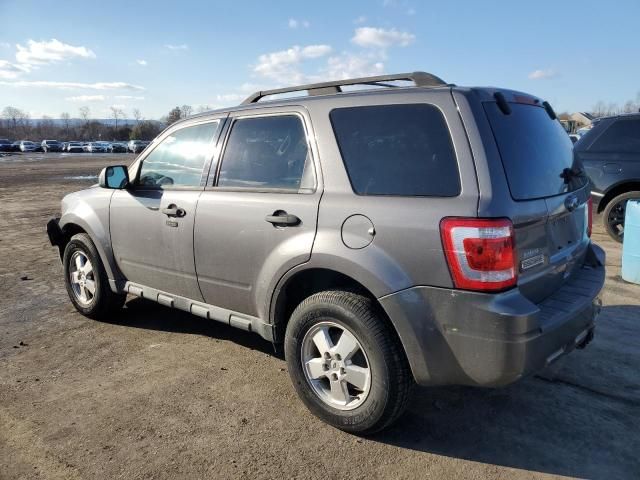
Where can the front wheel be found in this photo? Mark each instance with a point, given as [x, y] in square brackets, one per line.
[346, 362]
[614, 214]
[86, 280]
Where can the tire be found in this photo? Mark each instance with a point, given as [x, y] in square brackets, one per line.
[613, 214]
[378, 401]
[102, 300]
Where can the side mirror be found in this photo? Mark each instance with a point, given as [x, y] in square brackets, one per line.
[116, 176]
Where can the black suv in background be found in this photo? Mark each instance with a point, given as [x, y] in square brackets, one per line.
[610, 154]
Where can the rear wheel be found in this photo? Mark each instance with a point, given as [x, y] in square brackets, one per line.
[86, 280]
[614, 213]
[346, 362]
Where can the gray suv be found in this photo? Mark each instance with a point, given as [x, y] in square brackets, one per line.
[394, 234]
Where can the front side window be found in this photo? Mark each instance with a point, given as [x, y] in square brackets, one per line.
[621, 137]
[178, 160]
[403, 150]
[267, 153]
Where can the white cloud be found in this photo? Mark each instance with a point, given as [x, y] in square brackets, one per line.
[86, 98]
[128, 97]
[142, 62]
[49, 51]
[283, 65]
[74, 85]
[230, 98]
[542, 74]
[118, 106]
[294, 23]
[5, 45]
[10, 70]
[174, 48]
[349, 65]
[371, 37]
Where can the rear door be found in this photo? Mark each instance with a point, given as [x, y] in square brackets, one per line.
[611, 155]
[257, 216]
[548, 192]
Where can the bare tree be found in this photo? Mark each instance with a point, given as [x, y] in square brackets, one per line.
[629, 107]
[203, 108]
[116, 113]
[66, 121]
[186, 111]
[137, 115]
[85, 113]
[174, 115]
[599, 109]
[17, 120]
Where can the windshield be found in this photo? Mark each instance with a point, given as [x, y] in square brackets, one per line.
[536, 152]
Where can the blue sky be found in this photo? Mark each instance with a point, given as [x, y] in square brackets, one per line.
[57, 56]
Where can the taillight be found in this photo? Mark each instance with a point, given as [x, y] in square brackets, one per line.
[589, 215]
[480, 252]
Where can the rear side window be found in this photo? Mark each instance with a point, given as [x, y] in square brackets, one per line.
[536, 152]
[397, 150]
[622, 136]
[268, 152]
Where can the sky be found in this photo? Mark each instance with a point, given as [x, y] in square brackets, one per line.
[58, 56]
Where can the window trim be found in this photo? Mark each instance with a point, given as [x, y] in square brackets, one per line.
[223, 148]
[162, 137]
[453, 149]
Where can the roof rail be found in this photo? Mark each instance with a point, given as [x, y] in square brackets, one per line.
[421, 79]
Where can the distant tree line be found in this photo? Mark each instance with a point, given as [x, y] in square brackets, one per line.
[16, 124]
[603, 109]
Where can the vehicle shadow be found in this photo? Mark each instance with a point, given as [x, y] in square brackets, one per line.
[141, 313]
[577, 419]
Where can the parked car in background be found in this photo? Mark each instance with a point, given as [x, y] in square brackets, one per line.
[5, 145]
[447, 240]
[51, 146]
[610, 153]
[137, 146]
[96, 147]
[28, 146]
[117, 147]
[75, 147]
[15, 146]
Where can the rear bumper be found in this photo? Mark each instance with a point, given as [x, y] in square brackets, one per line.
[469, 338]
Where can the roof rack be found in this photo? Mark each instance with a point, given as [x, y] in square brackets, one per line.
[421, 79]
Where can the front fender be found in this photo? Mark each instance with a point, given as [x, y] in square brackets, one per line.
[89, 210]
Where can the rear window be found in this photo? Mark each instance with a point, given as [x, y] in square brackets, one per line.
[536, 152]
[397, 150]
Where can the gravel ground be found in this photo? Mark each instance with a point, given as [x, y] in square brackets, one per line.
[155, 393]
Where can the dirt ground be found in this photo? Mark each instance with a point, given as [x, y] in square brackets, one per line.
[156, 393]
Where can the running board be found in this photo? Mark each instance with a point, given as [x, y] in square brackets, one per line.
[204, 310]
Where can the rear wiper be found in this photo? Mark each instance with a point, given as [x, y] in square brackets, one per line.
[569, 174]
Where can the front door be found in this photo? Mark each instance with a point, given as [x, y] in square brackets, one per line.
[152, 221]
[258, 217]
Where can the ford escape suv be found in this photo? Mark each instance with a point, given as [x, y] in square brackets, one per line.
[404, 231]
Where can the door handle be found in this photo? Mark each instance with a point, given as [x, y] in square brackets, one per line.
[174, 211]
[281, 218]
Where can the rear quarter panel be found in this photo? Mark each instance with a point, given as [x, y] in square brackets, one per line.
[406, 249]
